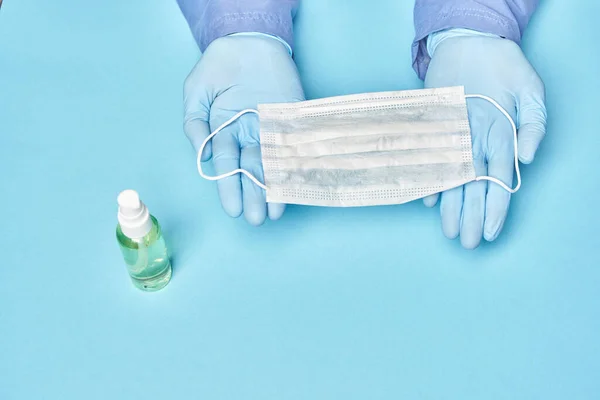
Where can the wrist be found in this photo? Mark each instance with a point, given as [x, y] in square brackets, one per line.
[435, 38]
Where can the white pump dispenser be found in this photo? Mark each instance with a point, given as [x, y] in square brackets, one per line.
[133, 216]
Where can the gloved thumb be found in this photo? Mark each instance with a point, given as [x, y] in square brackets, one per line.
[532, 127]
[197, 131]
[431, 200]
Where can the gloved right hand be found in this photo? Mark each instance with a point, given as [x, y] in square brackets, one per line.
[233, 74]
[495, 67]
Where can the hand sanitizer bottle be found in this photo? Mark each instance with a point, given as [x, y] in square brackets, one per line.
[142, 244]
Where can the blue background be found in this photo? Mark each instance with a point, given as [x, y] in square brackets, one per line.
[326, 303]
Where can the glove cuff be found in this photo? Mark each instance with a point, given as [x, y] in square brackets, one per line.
[434, 39]
[258, 34]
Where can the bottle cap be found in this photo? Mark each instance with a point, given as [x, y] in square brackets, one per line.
[133, 215]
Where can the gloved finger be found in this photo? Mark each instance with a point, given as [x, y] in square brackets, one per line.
[254, 198]
[226, 158]
[275, 210]
[431, 200]
[471, 224]
[196, 105]
[532, 124]
[473, 210]
[450, 211]
[197, 131]
[501, 162]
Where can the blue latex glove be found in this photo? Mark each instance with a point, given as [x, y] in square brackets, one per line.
[233, 74]
[495, 67]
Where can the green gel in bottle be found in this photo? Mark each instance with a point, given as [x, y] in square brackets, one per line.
[142, 244]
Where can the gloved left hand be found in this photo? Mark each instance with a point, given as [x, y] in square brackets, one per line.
[497, 68]
[237, 73]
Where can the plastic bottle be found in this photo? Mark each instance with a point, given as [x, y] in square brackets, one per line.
[142, 244]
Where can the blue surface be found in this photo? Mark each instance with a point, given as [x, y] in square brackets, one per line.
[326, 303]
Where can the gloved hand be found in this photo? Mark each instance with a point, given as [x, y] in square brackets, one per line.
[233, 74]
[495, 67]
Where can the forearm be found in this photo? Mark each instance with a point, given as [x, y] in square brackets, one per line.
[505, 18]
[211, 19]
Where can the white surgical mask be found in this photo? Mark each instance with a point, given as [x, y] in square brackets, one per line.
[366, 149]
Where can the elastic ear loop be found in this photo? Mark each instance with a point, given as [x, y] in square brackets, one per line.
[516, 148]
[235, 171]
[261, 185]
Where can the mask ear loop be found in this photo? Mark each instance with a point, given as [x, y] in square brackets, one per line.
[235, 171]
[516, 148]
